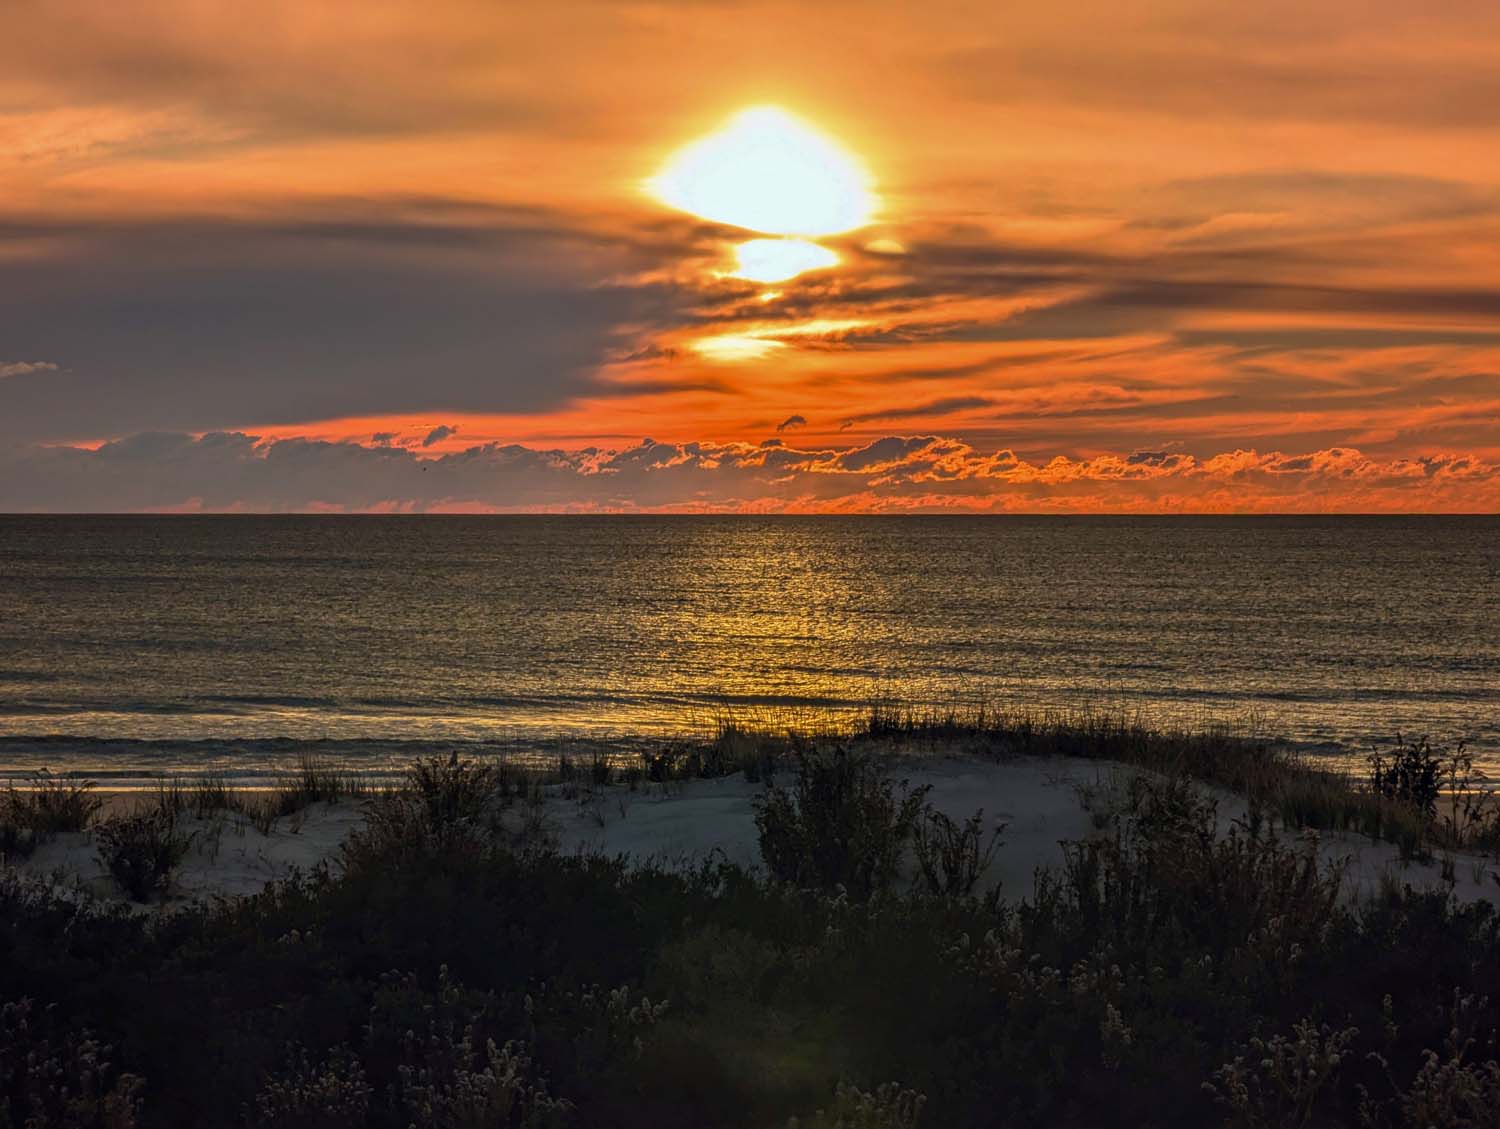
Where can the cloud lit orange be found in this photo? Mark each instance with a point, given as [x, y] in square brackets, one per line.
[1184, 230]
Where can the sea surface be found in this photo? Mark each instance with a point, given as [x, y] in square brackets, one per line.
[145, 644]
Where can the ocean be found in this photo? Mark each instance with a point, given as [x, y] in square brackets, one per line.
[133, 644]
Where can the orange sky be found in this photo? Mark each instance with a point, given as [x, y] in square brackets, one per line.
[1165, 256]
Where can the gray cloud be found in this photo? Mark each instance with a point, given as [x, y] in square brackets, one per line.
[198, 325]
[791, 422]
[438, 434]
[916, 411]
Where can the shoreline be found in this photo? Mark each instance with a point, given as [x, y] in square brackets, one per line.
[125, 764]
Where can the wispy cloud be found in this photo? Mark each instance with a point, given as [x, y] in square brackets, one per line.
[25, 368]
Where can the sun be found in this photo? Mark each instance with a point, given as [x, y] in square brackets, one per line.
[776, 260]
[768, 171]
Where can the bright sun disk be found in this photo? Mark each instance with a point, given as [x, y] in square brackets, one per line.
[768, 171]
[776, 260]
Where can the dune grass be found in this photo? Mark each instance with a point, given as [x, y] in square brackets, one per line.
[51, 805]
[1452, 812]
[48, 806]
[311, 781]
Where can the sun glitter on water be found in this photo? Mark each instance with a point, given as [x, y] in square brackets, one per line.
[768, 171]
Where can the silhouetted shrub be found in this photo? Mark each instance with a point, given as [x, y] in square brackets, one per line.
[662, 765]
[843, 823]
[952, 857]
[452, 789]
[17, 842]
[443, 804]
[142, 851]
[1410, 775]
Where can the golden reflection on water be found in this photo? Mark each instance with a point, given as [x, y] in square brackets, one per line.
[236, 634]
[792, 615]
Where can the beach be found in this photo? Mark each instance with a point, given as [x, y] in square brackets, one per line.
[1035, 805]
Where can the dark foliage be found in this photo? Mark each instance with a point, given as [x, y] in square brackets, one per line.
[1410, 775]
[142, 851]
[17, 841]
[842, 824]
[952, 857]
[52, 1078]
[1169, 975]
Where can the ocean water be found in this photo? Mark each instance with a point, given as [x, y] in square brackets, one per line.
[157, 643]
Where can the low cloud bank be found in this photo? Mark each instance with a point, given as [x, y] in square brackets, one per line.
[234, 471]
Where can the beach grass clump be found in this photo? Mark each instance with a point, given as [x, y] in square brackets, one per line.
[312, 781]
[738, 747]
[142, 850]
[201, 798]
[172, 795]
[758, 755]
[50, 805]
[316, 781]
[453, 789]
[843, 823]
[442, 804]
[672, 761]
[208, 795]
[47, 807]
[601, 770]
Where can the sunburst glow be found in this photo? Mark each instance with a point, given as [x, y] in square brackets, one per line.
[736, 347]
[768, 171]
[776, 260]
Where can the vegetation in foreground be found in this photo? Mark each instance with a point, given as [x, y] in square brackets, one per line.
[459, 972]
[1416, 795]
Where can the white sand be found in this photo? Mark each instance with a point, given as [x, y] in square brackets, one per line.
[229, 857]
[1038, 800]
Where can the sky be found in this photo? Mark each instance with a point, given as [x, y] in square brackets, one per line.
[1171, 256]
